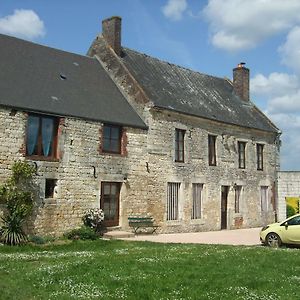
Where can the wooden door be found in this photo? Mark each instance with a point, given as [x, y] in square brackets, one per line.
[224, 195]
[110, 203]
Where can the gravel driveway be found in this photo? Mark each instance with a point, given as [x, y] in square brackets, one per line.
[248, 236]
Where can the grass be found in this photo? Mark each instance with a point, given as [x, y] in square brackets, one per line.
[139, 270]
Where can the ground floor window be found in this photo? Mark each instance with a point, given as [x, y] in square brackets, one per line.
[197, 200]
[237, 198]
[173, 200]
[264, 198]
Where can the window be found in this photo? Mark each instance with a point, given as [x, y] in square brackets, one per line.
[294, 221]
[264, 198]
[111, 139]
[41, 138]
[172, 200]
[179, 145]
[237, 198]
[212, 150]
[242, 156]
[197, 195]
[260, 157]
[50, 188]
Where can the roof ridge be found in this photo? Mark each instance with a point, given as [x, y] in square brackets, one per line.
[176, 65]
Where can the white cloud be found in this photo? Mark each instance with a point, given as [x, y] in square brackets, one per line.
[242, 24]
[282, 94]
[275, 85]
[290, 50]
[289, 124]
[174, 9]
[23, 23]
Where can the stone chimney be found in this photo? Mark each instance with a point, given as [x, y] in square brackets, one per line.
[241, 81]
[111, 31]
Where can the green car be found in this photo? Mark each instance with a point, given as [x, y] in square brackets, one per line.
[286, 232]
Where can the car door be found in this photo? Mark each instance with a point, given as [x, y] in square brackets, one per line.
[292, 230]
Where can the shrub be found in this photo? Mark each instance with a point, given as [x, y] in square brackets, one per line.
[93, 218]
[290, 211]
[82, 233]
[17, 196]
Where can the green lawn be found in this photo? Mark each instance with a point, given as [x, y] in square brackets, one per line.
[137, 270]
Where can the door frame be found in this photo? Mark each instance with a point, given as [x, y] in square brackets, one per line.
[116, 220]
[224, 204]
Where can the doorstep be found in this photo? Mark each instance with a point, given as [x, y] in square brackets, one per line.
[118, 234]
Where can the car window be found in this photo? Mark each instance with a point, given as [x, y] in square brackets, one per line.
[294, 221]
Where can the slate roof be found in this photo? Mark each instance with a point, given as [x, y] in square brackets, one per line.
[42, 79]
[179, 89]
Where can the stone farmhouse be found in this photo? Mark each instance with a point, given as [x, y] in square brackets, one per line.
[136, 136]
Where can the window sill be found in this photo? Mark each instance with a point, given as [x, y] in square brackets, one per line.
[42, 158]
[112, 154]
[198, 221]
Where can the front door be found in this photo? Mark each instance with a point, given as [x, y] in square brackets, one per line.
[109, 203]
[224, 195]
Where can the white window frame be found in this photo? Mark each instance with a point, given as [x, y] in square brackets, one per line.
[238, 191]
[197, 194]
[264, 198]
[173, 201]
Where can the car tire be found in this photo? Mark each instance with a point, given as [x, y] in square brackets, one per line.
[273, 240]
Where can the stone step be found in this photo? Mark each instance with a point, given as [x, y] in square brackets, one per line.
[117, 234]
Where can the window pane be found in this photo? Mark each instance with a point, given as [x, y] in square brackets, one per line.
[32, 134]
[114, 146]
[106, 189]
[106, 132]
[106, 144]
[115, 132]
[47, 135]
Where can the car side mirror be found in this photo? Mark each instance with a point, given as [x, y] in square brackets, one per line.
[286, 225]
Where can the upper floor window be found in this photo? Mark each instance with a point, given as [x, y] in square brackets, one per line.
[260, 156]
[41, 137]
[242, 155]
[179, 145]
[111, 139]
[212, 150]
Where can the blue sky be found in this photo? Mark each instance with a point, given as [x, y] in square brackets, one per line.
[209, 36]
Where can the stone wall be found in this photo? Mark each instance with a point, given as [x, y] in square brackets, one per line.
[195, 169]
[147, 167]
[288, 186]
[79, 171]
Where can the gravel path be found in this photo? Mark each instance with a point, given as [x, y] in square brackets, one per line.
[225, 237]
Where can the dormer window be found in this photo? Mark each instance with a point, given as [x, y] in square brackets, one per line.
[41, 137]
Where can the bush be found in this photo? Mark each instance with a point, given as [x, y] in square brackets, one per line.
[93, 218]
[17, 196]
[82, 233]
[290, 211]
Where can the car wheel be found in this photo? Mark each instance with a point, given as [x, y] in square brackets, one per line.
[273, 240]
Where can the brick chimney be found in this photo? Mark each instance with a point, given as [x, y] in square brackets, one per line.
[241, 81]
[111, 31]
